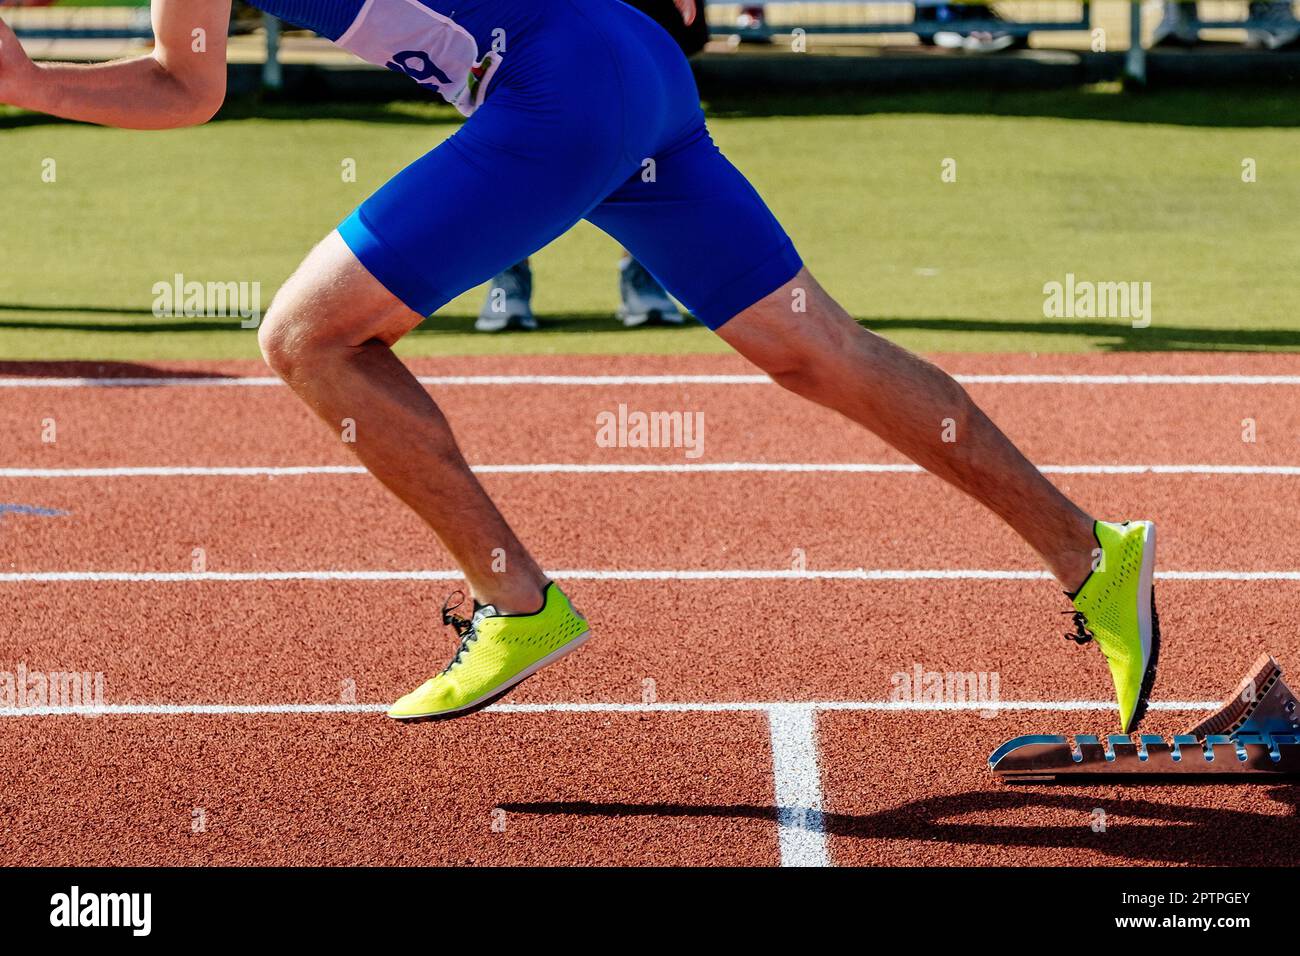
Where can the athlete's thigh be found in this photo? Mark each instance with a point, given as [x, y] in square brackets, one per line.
[701, 229]
[510, 180]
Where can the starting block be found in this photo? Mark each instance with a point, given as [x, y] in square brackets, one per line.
[1254, 734]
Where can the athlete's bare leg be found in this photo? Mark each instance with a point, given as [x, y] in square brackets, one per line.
[328, 334]
[822, 354]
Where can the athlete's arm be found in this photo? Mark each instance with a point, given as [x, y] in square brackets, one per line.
[687, 9]
[181, 83]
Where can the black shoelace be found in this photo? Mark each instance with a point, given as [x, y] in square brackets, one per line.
[464, 627]
[1081, 635]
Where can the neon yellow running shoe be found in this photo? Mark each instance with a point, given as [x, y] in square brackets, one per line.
[496, 652]
[1116, 607]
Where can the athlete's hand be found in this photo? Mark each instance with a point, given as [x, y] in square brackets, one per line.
[17, 71]
[687, 9]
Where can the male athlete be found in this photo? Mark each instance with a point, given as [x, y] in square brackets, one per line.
[570, 103]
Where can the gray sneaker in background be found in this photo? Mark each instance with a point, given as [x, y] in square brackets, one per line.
[1175, 26]
[1280, 29]
[509, 301]
[644, 299]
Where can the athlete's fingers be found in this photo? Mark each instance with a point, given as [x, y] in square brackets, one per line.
[687, 9]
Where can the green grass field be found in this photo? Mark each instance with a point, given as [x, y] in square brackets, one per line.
[1104, 185]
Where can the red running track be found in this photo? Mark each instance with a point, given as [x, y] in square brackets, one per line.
[628, 779]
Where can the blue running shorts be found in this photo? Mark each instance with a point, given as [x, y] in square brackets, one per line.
[593, 114]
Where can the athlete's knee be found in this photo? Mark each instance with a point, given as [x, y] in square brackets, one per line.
[801, 352]
[796, 371]
[297, 328]
[282, 341]
[300, 331]
[806, 370]
[327, 308]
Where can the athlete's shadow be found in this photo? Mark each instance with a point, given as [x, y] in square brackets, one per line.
[1136, 829]
[1239, 106]
[1109, 336]
[1163, 831]
[44, 368]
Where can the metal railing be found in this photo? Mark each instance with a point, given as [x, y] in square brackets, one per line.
[761, 20]
[748, 21]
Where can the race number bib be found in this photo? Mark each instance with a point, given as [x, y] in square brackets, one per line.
[435, 51]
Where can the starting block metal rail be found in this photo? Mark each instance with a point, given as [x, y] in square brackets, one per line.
[1255, 734]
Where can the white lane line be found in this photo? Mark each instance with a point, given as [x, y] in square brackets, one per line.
[717, 574]
[156, 382]
[725, 574]
[784, 709]
[216, 381]
[184, 471]
[1171, 469]
[1129, 379]
[801, 825]
[568, 468]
